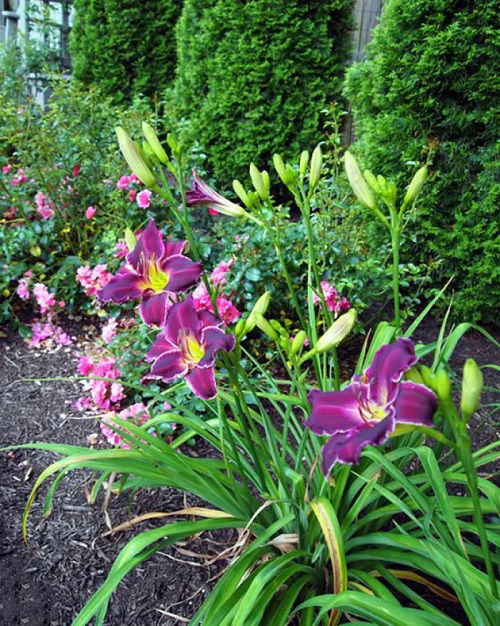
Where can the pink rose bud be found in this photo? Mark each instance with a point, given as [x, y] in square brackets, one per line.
[90, 212]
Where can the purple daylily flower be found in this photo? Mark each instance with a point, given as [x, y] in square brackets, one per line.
[201, 194]
[367, 411]
[154, 270]
[187, 346]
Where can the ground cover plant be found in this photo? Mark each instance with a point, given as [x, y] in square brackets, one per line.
[340, 489]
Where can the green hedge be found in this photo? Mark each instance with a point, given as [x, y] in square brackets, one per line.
[124, 47]
[429, 83]
[253, 77]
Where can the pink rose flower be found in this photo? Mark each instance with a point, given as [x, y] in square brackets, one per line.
[144, 199]
[90, 212]
[22, 289]
[123, 182]
[108, 332]
[44, 298]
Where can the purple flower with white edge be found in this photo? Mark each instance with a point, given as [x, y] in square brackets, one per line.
[188, 346]
[153, 271]
[366, 411]
[201, 194]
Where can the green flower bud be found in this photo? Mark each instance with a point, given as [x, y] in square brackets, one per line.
[265, 326]
[371, 179]
[472, 385]
[130, 239]
[258, 182]
[267, 183]
[415, 186]
[240, 329]
[358, 183]
[262, 303]
[442, 385]
[134, 159]
[175, 146]
[239, 190]
[337, 332]
[154, 143]
[304, 160]
[286, 173]
[316, 165]
[298, 342]
[148, 151]
[279, 166]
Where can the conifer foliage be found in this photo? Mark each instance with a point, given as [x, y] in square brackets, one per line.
[124, 47]
[429, 83]
[253, 77]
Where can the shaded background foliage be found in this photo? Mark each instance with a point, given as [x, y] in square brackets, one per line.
[428, 88]
[124, 47]
[253, 77]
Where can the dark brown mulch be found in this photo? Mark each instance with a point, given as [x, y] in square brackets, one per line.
[48, 581]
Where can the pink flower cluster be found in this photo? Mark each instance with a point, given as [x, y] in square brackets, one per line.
[103, 394]
[44, 298]
[19, 178]
[136, 413]
[42, 331]
[333, 300]
[226, 309]
[45, 329]
[93, 279]
[108, 332]
[44, 207]
[143, 197]
[125, 182]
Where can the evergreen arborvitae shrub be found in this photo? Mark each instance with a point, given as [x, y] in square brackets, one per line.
[429, 82]
[253, 77]
[124, 47]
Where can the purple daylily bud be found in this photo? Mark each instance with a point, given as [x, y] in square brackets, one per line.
[187, 346]
[201, 194]
[367, 411]
[153, 270]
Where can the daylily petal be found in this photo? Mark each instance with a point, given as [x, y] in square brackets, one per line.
[208, 319]
[181, 272]
[201, 380]
[149, 243]
[214, 339]
[121, 287]
[175, 247]
[155, 306]
[182, 316]
[160, 346]
[347, 447]
[388, 366]
[168, 366]
[415, 404]
[333, 411]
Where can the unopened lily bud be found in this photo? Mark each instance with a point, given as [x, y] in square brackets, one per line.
[337, 332]
[392, 192]
[414, 375]
[241, 329]
[154, 143]
[130, 239]
[253, 199]
[316, 164]
[278, 327]
[285, 172]
[415, 186]
[148, 150]
[265, 326]
[262, 303]
[382, 183]
[442, 385]
[298, 342]
[258, 182]
[304, 160]
[472, 385]
[134, 159]
[371, 179]
[358, 183]
[239, 190]
[173, 143]
[267, 183]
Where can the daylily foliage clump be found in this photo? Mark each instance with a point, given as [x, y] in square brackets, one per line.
[329, 530]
